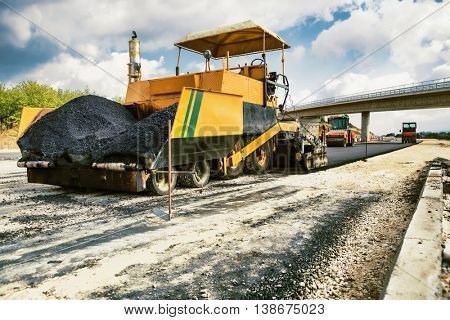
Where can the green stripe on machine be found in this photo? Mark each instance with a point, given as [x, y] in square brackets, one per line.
[188, 111]
[195, 112]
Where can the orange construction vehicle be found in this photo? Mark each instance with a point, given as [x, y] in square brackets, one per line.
[340, 134]
[218, 122]
[409, 132]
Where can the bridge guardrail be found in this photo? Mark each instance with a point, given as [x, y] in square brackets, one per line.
[384, 92]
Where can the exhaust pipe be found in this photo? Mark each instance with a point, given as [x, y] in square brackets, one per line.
[134, 67]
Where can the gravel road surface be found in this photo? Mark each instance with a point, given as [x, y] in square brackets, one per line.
[330, 234]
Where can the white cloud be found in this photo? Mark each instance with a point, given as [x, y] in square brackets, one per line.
[421, 54]
[442, 70]
[355, 82]
[97, 28]
[19, 29]
[296, 53]
[106, 24]
[360, 32]
[68, 72]
[368, 28]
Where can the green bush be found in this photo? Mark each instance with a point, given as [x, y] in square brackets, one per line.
[434, 135]
[31, 94]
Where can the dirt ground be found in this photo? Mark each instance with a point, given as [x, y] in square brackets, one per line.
[8, 138]
[329, 234]
[445, 276]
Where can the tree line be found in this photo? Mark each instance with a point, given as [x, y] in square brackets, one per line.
[425, 135]
[434, 135]
[31, 94]
[35, 95]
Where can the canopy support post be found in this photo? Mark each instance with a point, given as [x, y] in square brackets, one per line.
[177, 69]
[282, 59]
[265, 69]
[228, 60]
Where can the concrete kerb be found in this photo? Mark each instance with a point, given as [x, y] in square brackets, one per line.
[416, 273]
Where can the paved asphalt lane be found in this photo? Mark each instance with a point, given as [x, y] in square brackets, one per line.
[336, 155]
[339, 155]
[10, 154]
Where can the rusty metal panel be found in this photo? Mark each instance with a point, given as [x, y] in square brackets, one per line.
[163, 101]
[138, 92]
[250, 89]
[255, 92]
[128, 181]
[256, 72]
[172, 84]
[212, 80]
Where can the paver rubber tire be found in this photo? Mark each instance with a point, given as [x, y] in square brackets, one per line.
[307, 162]
[234, 172]
[259, 161]
[199, 179]
[158, 183]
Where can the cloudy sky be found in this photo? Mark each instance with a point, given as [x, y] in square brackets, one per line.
[326, 37]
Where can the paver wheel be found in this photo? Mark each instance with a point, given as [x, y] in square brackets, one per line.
[258, 162]
[234, 171]
[307, 161]
[158, 182]
[200, 177]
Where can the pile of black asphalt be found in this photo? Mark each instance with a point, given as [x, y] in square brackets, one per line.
[142, 140]
[92, 128]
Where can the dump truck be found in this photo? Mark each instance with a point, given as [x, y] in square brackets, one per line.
[341, 134]
[409, 134]
[222, 122]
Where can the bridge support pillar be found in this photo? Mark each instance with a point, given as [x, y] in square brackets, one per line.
[365, 119]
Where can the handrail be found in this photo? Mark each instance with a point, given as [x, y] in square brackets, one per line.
[400, 90]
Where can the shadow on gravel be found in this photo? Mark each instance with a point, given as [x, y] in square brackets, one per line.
[247, 198]
[34, 225]
[47, 254]
[13, 176]
[258, 274]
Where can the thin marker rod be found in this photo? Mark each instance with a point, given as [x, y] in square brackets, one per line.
[170, 170]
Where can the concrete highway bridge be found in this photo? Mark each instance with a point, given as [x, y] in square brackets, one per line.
[423, 95]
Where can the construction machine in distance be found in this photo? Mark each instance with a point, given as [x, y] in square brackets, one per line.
[227, 120]
[409, 134]
[341, 133]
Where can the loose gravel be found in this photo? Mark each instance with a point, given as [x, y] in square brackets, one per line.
[329, 234]
[445, 275]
